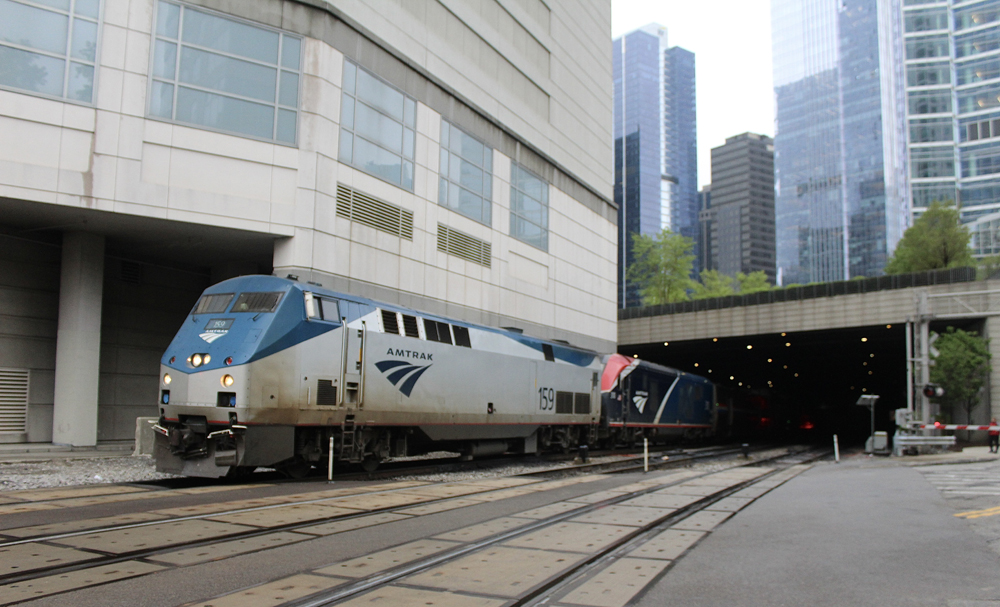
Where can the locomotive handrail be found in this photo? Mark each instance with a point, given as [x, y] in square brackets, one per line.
[343, 363]
[361, 357]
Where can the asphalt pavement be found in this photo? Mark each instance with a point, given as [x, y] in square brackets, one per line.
[866, 531]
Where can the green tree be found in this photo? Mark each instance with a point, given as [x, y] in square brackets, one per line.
[752, 282]
[936, 240]
[713, 284]
[662, 267]
[961, 367]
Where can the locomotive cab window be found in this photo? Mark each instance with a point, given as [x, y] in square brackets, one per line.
[213, 304]
[319, 308]
[257, 302]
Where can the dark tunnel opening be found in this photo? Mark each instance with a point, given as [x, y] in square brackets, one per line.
[804, 385]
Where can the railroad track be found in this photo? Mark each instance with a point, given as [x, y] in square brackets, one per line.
[572, 578]
[396, 497]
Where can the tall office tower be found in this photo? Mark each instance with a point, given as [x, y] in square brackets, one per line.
[741, 216]
[453, 157]
[656, 171]
[839, 151]
[705, 228]
[953, 110]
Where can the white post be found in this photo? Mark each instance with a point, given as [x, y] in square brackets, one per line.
[329, 465]
[645, 455]
[836, 449]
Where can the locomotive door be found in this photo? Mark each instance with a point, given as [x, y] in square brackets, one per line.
[352, 373]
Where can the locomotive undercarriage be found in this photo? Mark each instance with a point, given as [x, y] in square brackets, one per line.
[194, 447]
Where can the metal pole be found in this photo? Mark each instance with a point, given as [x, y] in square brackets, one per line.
[909, 366]
[329, 465]
[836, 449]
[873, 426]
[645, 455]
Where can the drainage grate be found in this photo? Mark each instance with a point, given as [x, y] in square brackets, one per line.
[374, 213]
[462, 245]
[13, 400]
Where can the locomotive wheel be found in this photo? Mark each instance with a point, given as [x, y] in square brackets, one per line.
[370, 463]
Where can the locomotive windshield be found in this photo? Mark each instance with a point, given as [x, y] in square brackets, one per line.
[213, 304]
[257, 302]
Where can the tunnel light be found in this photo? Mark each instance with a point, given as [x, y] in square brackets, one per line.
[864, 364]
[785, 367]
[796, 375]
[741, 383]
[870, 372]
[749, 347]
[666, 343]
[788, 344]
[872, 355]
[769, 360]
[864, 389]
[888, 326]
[731, 377]
[635, 356]
[782, 334]
[715, 339]
[696, 364]
[864, 339]
[709, 370]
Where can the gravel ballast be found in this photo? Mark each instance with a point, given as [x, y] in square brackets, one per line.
[65, 472]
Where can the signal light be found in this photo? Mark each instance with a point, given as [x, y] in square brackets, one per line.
[933, 391]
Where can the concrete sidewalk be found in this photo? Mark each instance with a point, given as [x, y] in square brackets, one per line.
[31, 452]
[868, 531]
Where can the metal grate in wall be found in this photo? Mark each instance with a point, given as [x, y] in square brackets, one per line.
[462, 245]
[374, 213]
[131, 272]
[13, 400]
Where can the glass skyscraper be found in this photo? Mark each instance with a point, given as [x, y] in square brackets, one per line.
[656, 173]
[952, 52]
[840, 175]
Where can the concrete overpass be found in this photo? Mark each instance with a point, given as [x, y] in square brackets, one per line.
[821, 345]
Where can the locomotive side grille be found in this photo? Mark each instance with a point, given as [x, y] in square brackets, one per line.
[389, 322]
[13, 400]
[564, 402]
[463, 245]
[326, 392]
[410, 326]
[581, 403]
[374, 213]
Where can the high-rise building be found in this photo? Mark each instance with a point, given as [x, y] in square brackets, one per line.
[453, 157]
[741, 216]
[705, 228]
[656, 173]
[840, 171]
[952, 52]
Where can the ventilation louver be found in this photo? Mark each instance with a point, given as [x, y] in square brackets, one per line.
[13, 400]
[462, 245]
[374, 213]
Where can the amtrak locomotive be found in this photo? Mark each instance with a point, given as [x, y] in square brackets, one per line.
[265, 371]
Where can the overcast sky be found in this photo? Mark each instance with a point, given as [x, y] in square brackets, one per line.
[731, 41]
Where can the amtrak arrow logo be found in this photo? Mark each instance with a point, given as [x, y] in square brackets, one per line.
[640, 402]
[398, 371]
[210, 337]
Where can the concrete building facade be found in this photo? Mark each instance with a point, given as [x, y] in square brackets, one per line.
[449, 155]
[655, 139]
[740, 221]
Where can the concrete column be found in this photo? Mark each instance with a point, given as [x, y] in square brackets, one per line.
[78, 342]
[993, 386]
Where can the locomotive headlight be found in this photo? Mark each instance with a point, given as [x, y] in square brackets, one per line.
[167, 379]
[196, 360]
[207, 359]
[227, 381]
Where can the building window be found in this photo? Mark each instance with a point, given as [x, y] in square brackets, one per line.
[978, 70]
[223, 74]
[983, 98]
[925, 194]
[927, 20]
[377, 127]
[529, 207]
[930, 102]
[49, 47]
[980, 161]
[928, 75]
[931, 129]
[926, 48]
[932, 162]
[977, 43]
[466, 183]
[974, 16]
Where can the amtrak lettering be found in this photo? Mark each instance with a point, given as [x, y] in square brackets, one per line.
[401, 373]
[410, 354]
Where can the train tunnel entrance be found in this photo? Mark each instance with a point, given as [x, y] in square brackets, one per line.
[803, 385]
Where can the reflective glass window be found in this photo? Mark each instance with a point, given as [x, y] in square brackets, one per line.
[927, 48]
[931, 129]
[928, 75]
[466, 169]
[974, 16]
[980, 160]
[978, 70]
[926, 20]
[220, 73]
[977, 43]
[529, 207]
[982, 98]
[377, 127]
[925, 194]
[929, 102]
[932, 162]
[49, 47]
